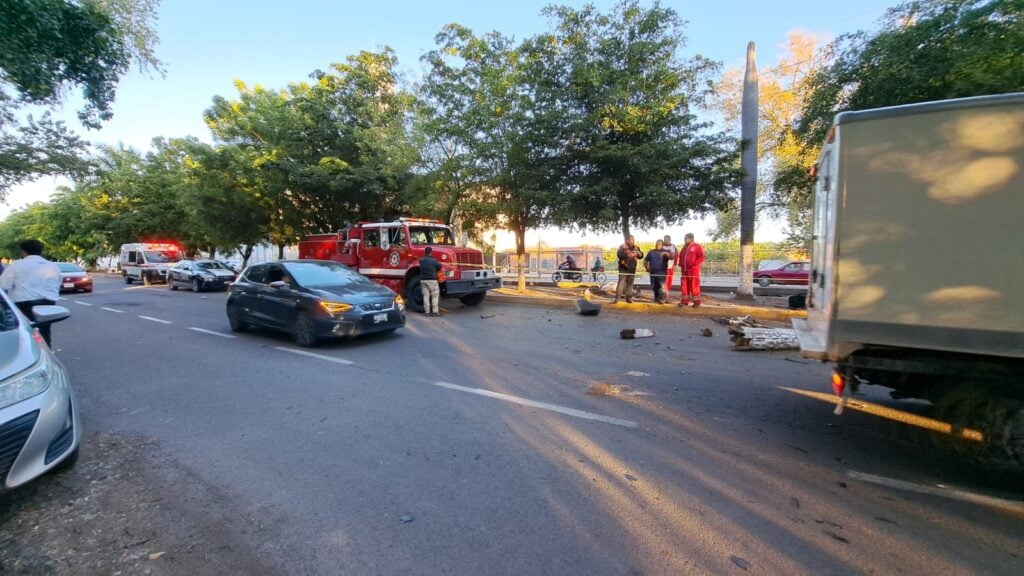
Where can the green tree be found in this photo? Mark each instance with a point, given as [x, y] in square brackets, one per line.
[48, 47]
[924, 50]
[636, 154]
[491, 131]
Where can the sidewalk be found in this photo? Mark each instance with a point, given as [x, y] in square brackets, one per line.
[711, 306]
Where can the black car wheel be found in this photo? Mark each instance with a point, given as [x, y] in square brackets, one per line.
[764, 281]
[195, 285]
[414, 294]
[170, 283]
[473, 299]
[235, 319]
[303, 329]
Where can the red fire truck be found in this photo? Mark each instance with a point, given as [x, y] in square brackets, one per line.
[389, 252]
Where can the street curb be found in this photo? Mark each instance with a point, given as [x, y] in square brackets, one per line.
[669, 309]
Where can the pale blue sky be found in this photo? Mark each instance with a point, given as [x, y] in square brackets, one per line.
[206, 45]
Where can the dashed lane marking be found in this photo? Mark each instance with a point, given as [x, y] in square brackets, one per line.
[81, 303]
[542, 405]
[315, 355]
[112, 310]
[151, 319]
[210, 332]
[942, 491]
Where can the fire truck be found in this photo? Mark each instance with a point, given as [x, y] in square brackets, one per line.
[389, 252]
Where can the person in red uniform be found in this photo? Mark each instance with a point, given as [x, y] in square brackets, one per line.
[690, 259]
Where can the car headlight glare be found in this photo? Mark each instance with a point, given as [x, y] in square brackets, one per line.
[335, 307]
[29, 383]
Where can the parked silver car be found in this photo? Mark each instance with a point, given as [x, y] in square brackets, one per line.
[39, 423]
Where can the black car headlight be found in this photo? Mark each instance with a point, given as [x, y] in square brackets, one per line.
[29, 383]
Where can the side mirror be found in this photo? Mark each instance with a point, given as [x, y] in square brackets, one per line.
[279, 285]
[49, 314]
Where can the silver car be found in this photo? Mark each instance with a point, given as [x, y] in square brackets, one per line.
[39, 423]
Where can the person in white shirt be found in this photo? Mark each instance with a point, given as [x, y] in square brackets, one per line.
[32, 281]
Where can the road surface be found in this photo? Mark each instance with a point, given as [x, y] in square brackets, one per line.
[494, 440]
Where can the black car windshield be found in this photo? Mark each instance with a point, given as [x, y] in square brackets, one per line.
[320, 274]
[211, 266]
[162, 256]
[68, 267]
[431, 235]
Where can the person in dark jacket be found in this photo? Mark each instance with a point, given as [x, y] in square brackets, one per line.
[429, 267]
[656, 262]
[628, 255]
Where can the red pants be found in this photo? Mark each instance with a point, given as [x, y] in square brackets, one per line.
[689, 285]
[668, 281]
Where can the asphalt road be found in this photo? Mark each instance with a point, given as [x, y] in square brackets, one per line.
[494, 440]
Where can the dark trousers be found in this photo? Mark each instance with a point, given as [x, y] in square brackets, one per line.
[657, 281]
[26, 309]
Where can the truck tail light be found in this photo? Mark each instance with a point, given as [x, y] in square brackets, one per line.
[838, 383]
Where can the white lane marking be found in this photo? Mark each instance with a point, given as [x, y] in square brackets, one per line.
[210, 332]
[943, 491]
[541, 405]
[314, 355]
[151, 319]
[112, 310]
[82, 303]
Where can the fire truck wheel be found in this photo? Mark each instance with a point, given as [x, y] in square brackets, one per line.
[303, 331]
[414, 294]
[473, 299]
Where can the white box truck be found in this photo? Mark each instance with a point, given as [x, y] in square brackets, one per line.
[917, 279]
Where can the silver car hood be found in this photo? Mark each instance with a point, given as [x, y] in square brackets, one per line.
[18, 352]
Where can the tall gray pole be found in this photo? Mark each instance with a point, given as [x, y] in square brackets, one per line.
[748, 186]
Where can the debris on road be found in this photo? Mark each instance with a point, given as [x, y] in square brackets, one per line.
[706, 332]
[740, 562]
[603, 389]
[484, 317]
[636, 373]
[406, 519]
[630, 333]
[157, 555]
[585, 306]
[631, 478]
[763, 339]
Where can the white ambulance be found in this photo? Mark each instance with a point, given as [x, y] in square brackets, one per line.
[148, 262]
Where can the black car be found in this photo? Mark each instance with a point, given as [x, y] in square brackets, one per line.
[200, 275]
[312, 300]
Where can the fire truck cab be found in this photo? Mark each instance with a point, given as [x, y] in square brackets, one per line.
[389, 252]
[148, 262]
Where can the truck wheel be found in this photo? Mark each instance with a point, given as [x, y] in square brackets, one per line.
[414, 294]
[764, 281]
[145, 279]
[999, 419]
[473, 299]
[127, 278]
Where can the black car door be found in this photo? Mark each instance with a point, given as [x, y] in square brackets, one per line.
[278, 304]
[248, 293]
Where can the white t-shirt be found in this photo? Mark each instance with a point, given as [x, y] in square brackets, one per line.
[31, 278]
[671, 249]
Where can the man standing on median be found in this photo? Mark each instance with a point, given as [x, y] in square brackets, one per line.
[656, 262]
[670, 249]
[429, 268]
[628, 255]
[691, 257]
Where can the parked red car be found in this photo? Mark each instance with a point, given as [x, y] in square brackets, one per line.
[74, 278]
[791, 273]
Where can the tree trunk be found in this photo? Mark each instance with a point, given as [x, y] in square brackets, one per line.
[280, 251]
[245, 253]
[748, 186]
[624, 221]
[520, 232]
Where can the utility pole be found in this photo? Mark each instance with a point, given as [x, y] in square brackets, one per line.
[748, 186]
